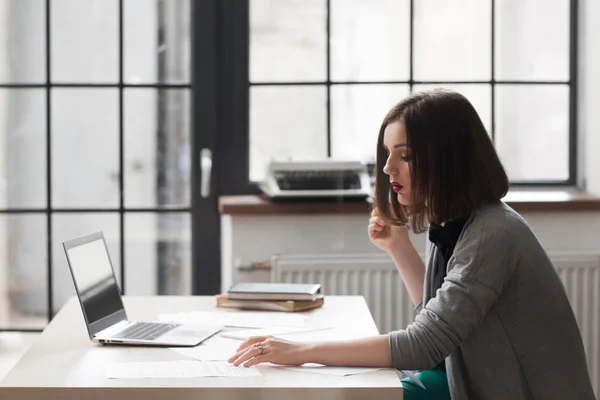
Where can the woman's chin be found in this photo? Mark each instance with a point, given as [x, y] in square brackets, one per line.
[403, 199]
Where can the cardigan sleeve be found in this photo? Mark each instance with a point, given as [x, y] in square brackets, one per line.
[480, 268]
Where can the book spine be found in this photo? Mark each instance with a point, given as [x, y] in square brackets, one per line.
[255, 306]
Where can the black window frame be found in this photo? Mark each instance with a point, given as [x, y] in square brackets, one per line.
[239, 42]
[220, 107]
[49, 210]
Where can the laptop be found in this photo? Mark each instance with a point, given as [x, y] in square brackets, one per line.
[102, 305]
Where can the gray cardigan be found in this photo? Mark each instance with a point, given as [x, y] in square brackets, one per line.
[501, 319]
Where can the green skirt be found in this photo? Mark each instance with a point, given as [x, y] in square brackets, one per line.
[435, 382]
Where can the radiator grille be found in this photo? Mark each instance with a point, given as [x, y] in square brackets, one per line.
[374, 276]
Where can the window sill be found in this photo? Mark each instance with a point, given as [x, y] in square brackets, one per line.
[551, 200]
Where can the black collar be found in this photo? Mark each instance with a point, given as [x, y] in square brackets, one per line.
[445, 237]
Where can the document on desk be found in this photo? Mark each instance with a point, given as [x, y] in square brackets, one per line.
[214, 349]
[241, 319]
[323, 335]
[276, 331]
[176, 369]
[205, 353]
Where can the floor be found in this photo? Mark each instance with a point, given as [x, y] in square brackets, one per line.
[12, 346]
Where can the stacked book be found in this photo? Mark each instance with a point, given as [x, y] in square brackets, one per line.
[289, 297]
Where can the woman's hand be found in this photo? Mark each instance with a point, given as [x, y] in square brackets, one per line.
[261, 349]
[384, 235]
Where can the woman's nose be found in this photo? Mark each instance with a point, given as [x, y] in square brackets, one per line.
[388, 169]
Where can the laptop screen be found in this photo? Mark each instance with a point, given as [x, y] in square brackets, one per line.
[96, 284]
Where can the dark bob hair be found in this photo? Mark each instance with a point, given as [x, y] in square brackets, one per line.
[454, 167]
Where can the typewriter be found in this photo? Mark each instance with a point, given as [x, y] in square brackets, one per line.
[329, 179]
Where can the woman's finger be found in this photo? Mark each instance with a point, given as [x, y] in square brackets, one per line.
[377, 220]
[232, 358]
[375, 228]
[240, 354]
[375, 231]
[250, 341]
[255, 360]
[248, 354]
[237, 355]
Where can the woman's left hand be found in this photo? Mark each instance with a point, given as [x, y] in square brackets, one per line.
[261, 349]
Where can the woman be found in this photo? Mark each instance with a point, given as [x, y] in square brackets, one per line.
[493, 321]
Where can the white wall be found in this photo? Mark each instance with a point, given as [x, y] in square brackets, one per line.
[3, 111]
[589, 93]
[248, 239]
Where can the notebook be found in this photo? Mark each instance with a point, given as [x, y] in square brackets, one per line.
[274, 291]
[223, 300]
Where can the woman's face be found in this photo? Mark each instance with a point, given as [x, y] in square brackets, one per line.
[397, 165]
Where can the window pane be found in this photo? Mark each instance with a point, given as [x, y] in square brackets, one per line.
[84, 41]
[66, 226]
[286, 122]
[357, 112]
[288, 40]
[157, 147]
[23, 37]
[85, 148]
[23, 142]
[158, 253]
[479, 95]
[452, 40]
[156, 41]
[23, 271]
[532, 131]
[370, 40]
[532, 39]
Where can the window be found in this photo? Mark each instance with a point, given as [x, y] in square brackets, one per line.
[323, 73]
[94, 135]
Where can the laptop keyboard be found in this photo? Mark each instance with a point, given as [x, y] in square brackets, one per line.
[145, 331]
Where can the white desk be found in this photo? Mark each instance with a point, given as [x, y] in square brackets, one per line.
[64, 364]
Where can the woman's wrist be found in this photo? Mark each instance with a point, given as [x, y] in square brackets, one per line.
[309, 352]
[400, 247]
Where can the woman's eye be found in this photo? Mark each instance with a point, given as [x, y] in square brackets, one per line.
[405, 158]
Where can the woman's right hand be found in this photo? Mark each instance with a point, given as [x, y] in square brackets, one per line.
[384, 235]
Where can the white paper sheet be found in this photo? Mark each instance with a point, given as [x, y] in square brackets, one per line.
[327, 335]
[242, 319]
[338, 371]
[276, 331]
[414, 378]
[205, 353]
[214, 349]
[176, 369]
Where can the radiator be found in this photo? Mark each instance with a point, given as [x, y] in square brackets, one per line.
[375, 277]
